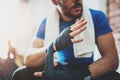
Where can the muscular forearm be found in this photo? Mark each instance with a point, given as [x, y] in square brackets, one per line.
[35, 58]
[109, 61]
[103, 65]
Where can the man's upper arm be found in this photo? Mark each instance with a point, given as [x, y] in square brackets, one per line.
[37, 43]
[35, 46]
[106, 45]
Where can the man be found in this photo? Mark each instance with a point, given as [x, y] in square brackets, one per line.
[88, 28]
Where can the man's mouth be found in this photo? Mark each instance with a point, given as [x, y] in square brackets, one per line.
[77, 8]
[77, 5]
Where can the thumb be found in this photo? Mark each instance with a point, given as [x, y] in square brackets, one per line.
[38, 74]
[55, 64]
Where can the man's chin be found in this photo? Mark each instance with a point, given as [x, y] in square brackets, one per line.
[76, 16]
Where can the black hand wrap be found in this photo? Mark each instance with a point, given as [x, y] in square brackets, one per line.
[60, 43]
[63, 40]
[50, 74]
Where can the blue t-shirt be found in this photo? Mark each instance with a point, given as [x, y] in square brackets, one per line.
[101, 26]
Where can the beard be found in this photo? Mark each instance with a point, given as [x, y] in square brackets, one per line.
[69, 11]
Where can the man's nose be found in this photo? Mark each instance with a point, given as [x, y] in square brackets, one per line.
[75, 1]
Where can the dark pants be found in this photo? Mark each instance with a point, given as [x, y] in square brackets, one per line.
[1, 77]
[25, 73]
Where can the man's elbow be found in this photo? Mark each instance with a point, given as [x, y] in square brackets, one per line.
[28, 61]
[115, 64]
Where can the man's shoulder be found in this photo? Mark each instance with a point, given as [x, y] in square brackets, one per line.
[44, 20]
[96, 13]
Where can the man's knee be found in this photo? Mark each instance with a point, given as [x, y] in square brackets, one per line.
[109, 76]
[113, 75]
[18, 73]
[22, 73]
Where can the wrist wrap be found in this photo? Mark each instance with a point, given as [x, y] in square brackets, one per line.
[63, 40]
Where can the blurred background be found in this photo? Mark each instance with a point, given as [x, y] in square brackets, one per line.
[19, 20]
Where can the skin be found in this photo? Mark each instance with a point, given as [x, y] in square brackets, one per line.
[106, 44]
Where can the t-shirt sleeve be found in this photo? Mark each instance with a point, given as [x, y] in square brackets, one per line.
[40, 33]
[101, 24]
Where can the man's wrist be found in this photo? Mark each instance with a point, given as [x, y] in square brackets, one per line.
[63, 40]
[88, 75]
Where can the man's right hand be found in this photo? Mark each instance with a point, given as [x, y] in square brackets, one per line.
[66, 37]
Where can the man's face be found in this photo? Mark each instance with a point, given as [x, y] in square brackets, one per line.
[71, 8]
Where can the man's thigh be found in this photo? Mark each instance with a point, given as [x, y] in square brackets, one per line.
[24, 73]
[110, 76]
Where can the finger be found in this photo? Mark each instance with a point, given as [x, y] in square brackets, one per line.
[76, 32]
[78, 25]
[76, 40]
[79, 20]
[38, 74]
[55, 63]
